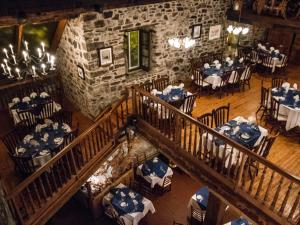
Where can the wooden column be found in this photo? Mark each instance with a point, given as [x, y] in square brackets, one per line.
[215, 210]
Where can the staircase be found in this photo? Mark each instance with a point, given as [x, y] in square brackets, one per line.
[270, 197]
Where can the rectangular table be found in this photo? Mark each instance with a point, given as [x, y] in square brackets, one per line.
[131, 218]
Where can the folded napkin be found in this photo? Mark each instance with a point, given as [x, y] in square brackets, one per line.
[227, 59]
[169, 87]
[272, 49]
[44, 95]
[251, 120]
[230, 62]
[181, 85]
[206, 66]
[216, 62]
[296, 98]
[27, 138]
[259, 44]
[276, 51]
[154, 92]
[38, 128]
[26, 99]
[166, 91]
[286, 85]
[15, 100]
[263, 47]
[218, 66]
[295, 86]
[241, 60]
[48, 122]
[33, 95]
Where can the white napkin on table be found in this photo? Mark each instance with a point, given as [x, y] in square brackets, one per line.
[295, 86]
[230, 62]
[218, 66]
[272, 49]
[44, 95]
[251, 120]
[259, 45]
[15, 100]
[227, 59]
[154, 92]
[33, 95]
[26, 99]
[27, 138]
[216, 62]
[286, 85]
[276, 51]
[241, 60]
[206, 66]
[296, 98]
[181, 85]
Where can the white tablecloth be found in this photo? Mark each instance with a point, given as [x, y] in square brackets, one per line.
[208, 138]
[132, 218]
[17, 119]
[292, 114]
[153, 179]
[215, 80]
[192, 203]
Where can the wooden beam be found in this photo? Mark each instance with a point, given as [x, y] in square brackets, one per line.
[19, 33]
[58, 33]
[215, 210]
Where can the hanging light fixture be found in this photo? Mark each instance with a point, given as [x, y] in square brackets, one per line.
[184, 42]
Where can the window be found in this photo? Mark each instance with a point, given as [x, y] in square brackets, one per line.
[137, 47]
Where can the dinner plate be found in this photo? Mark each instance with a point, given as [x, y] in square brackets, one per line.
[58, 140]
[175, 98]
[21, 150]
[44, 152]
[199, 197]
[226, 127]
[245, 136]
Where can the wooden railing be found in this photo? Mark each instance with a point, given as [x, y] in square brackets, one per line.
[40, 195]
[272, 189]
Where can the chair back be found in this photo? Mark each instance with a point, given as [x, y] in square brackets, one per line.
[25, 165]
[247, 73]
[47, 110]
[206, 119]
[221, 115]
[264, 97]
[110, 212]
[177, 104]
[267, 61]
[197, 215]
[225, 78]
[237, 75]
[147, 86]
[254, 56]
[27, 118]
[266, 144]
[277, 82]
[11, 141]
[161, 83]
[274, 108]
[63, 116]
[188, 104]
[167, 181]
[68, 138]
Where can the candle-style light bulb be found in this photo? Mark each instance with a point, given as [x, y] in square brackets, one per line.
[43, 46]
[5, 52]
[11, 49]
[14, 58]
[39, 52]
[26, 45]
[52, 59]
[48, 57]
[18, 72]
[3, 67]
[43, 68]
[33, 70]
[25, 55]
[9, 69]
[5, 61]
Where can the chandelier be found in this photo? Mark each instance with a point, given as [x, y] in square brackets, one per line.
[26, 64]
[185, 42]
[237, 30]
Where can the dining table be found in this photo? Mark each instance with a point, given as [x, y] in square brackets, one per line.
[42, 142]
[32, 102]
[242, 131]
[154, 171]
[213, 73]
[199, 200]
[289, 104]
[128, 204]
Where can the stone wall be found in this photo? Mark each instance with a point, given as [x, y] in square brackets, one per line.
[90, 31]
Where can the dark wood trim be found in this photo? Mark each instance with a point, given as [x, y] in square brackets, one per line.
[19, 34]
[58, 33]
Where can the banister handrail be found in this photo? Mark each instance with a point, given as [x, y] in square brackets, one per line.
[254, 155]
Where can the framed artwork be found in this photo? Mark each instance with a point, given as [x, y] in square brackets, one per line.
[196, 31]
[106, 56]
[214, 32]
[81, 73]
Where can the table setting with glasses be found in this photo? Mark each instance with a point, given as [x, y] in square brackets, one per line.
[289, 104]
[199, 200]
[43, 141]
[34, 102]
[213, 73]
[128, 205]
[154, 171]
[243, 131]
[277, 57]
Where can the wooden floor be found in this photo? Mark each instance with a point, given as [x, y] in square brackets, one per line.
[284, 153]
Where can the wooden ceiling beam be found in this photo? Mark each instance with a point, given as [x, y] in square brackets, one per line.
[58, 33]
[19, 33]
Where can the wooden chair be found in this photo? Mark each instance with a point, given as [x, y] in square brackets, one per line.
[263, 150]
[254, 57]
[47, 110]
[221, 115]
[11, 140]
[281, 68]
[267, 65]
[275, 118]
[263, 105]
[63, 116]
[177, 104]
[199, 81]
[167, 184]
[161, 84]
[207, 119]
[147, 86]
[235, 83]
[27, 118]
[68, 138]
[246, 76]
[197, 216]
[277, 82]
[25, 165]
[188, 104]
[223, 86]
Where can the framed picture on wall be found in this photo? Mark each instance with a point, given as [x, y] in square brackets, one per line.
[81, 73]
[214, 32]
[196, 31]
[106, 56]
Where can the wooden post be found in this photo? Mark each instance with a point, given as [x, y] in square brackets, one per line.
[215, 210]
[6, 217]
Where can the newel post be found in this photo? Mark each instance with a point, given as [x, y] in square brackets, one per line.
[240, 172]
[215, 210]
